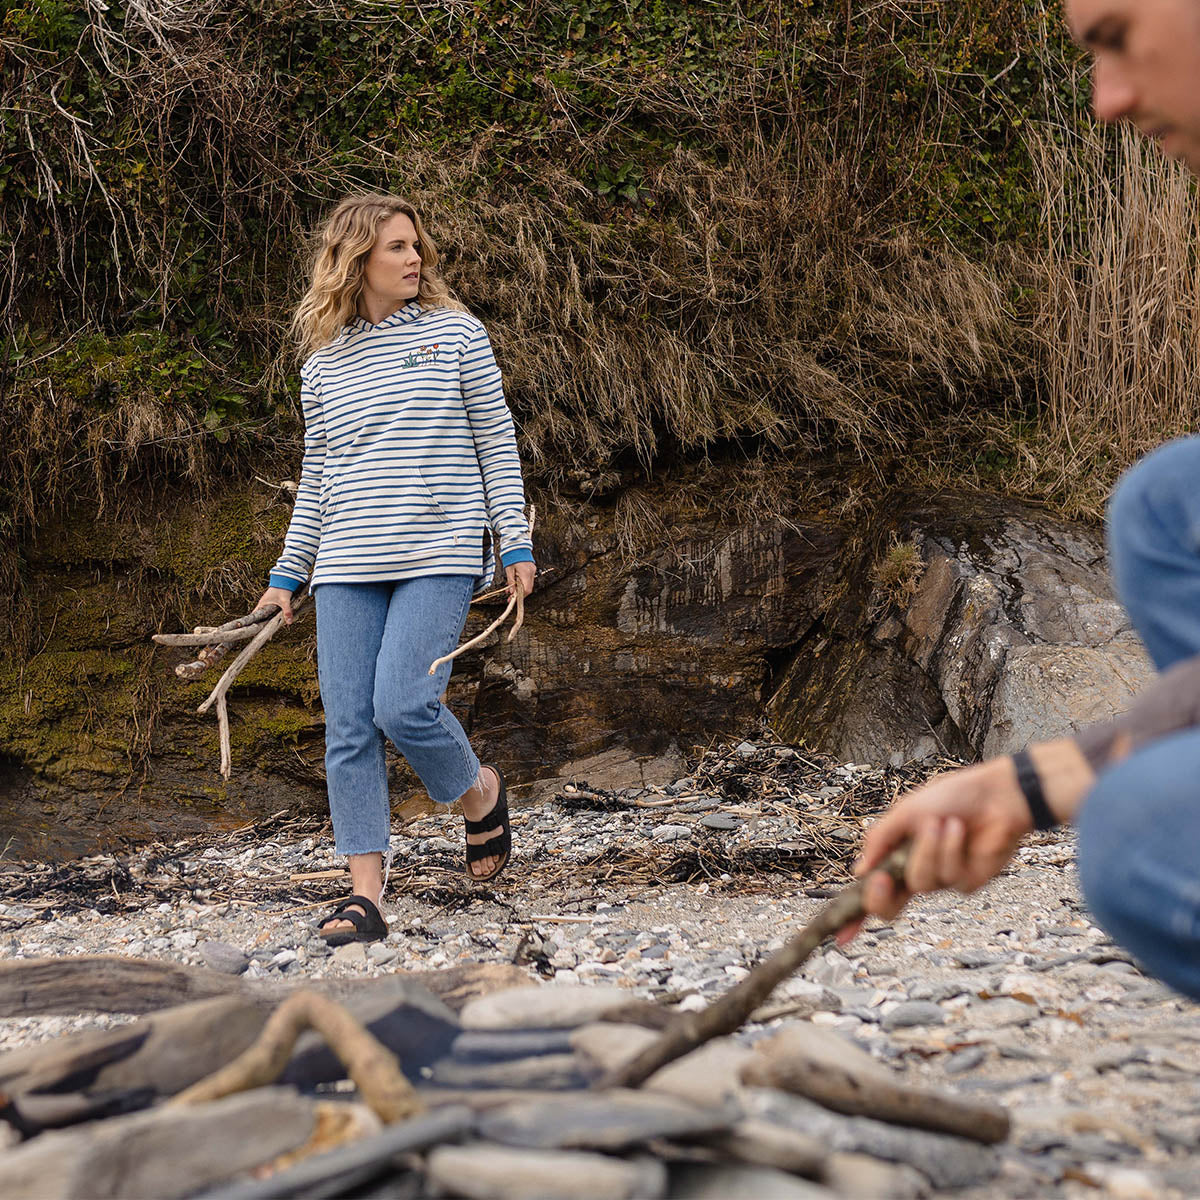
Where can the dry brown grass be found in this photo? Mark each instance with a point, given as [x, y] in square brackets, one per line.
[1119, 319]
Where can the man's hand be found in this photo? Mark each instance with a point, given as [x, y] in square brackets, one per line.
[964, 827]
[526, 572]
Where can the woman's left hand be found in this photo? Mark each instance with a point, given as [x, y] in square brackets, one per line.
[526, 572]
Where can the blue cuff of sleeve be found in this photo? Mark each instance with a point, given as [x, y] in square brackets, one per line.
[520, 554]
[285, 581]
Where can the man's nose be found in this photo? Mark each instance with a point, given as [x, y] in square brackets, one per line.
[1113, 96]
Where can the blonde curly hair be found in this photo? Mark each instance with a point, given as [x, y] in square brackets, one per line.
[342, 243]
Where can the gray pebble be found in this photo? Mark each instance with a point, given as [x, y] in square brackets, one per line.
[221, 956]
[671, 833]
[965, 1060]
[911, 1013]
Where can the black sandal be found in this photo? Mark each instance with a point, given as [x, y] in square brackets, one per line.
[370, 927]
[499, 846]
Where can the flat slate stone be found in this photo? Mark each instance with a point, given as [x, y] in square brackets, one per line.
[722, 821]
[485, 1046]
[357, 1163]
[823, 1048]
[671, 833]
[554, 1072]
[610, 1120]
[542, 1007]
[867, 1178]
[703, 1182]
[912, 1013]
[498, 1173]
[164, 1153]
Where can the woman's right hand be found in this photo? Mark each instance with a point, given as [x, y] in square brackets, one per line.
[281, 598]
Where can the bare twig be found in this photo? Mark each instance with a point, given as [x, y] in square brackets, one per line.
[223, 732]
[374, 1069]
[689, 1030]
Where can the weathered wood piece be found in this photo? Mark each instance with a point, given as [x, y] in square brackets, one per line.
[856, 1095]
[502, 1173]
[214, 637]
[215, 648]
[350, 1167]
[165, 1153]
[105, 983]
[731, 1011]
[371, 1065]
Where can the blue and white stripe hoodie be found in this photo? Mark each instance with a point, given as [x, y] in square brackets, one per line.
[410, 456]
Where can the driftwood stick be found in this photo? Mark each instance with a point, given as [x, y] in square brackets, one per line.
[884, 1099]
[214, 651]
[223, 733]
[105, 983]
[207, 658]
[371, 1065]
[512, 633]
[214, 638]
[689, 1030]
[437, 662]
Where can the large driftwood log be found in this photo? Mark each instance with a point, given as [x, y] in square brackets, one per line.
[105, 983]
[689, 1030]
[371, 1065]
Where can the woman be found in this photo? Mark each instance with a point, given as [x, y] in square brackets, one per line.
[410, 459]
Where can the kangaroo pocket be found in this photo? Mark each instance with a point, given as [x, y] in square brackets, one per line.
[374, 511]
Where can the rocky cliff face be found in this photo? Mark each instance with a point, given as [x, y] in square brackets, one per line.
[1010, 633]
[637, 647]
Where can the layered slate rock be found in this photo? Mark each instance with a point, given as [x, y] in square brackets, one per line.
[1010, 633]
[484, 1172]
[610, 1120]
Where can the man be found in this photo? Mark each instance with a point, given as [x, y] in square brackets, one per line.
[1131, 786]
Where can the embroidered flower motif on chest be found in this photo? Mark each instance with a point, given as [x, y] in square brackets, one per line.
[422, 356]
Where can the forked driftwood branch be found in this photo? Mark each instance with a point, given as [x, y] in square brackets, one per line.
[727, 1014]
[374, 1069]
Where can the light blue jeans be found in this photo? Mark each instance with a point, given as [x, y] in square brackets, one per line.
[1139, 829]
[375, 643]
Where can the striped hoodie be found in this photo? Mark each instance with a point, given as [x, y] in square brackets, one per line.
[409, 456]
